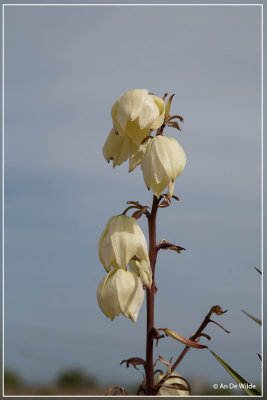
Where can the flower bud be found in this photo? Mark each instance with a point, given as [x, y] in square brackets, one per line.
[121, 240]
[120, 292]
[163, 162]
[136, 113]
[168, 391]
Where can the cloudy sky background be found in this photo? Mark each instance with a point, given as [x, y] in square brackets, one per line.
[64, 68]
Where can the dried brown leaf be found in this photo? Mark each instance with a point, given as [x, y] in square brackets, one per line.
[134, 361]
[182, 339]
[217, 310]
[216, 323]
[117, 391]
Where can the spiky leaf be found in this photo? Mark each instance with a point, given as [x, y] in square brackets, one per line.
[243, 384]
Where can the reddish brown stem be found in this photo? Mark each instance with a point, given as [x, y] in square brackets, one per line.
[193, 338]
[150, 297]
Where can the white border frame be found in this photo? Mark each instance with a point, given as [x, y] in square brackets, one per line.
[3, 167]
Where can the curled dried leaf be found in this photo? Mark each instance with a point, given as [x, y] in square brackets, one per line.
[205, 335]
[158, 371]
[182, 339]
[176, 117]
[164, 96]
[117, 391]
[133, 202]
[163, 360]
[156, 335]
[168, 364]
[216, 323]
[166, 202]
[174, 124]
[137, 204]
[217, 310]
[134, 361]
[165, 245]
[137, 214]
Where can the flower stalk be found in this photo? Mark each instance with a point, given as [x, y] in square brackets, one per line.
[150, 295]
[122, 249]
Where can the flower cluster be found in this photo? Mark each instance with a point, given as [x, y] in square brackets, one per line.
[122, 247]
[123, 244]
[135, 116]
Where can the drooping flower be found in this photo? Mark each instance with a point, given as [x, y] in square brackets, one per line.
[120, 292]
[121, 241]
[163, 162]
[171, 391]
[137, 113]
[119, 148]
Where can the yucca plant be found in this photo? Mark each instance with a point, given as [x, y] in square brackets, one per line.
[129, 263]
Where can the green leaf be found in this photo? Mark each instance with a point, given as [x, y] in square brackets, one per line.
[243, 384]
[251, 316]
[182, 339]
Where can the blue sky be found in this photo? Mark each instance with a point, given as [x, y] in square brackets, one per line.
[64, 68]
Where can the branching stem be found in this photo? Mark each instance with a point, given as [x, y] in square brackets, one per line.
[193, 338]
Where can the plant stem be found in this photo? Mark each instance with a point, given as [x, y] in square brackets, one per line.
[150, 293]
[193, 338]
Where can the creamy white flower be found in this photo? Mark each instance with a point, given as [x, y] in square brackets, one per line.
[120, 292]
[137, 113]
[121, 240]
[167, 391]
[163, 162]
[121, 148]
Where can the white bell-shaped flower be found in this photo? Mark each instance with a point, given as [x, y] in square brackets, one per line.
[121, 148]
[169, 391]
[163, 162]
[121, 240]
[120, 292]
[137, 113]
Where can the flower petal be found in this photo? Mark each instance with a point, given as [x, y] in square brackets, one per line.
[112, 148]
[111, 293]
[130, 293]
[138, 97]
[105, 249]
[103, 304]
[130, 104]
[136, 155]
[160, 119]
[148, 113]
[142, 269]
[127, 239]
